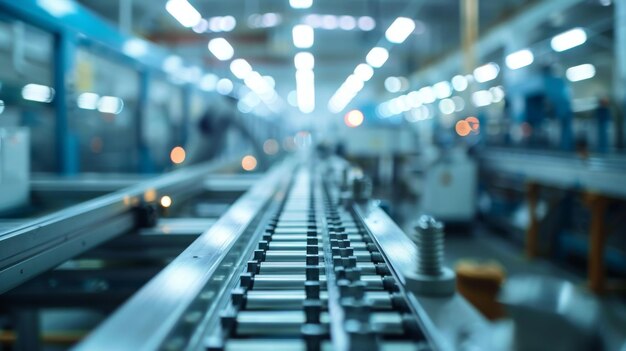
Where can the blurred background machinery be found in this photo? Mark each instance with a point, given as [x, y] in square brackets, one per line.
[286, 174]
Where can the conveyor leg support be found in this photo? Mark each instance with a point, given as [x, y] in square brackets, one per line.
[532, 232]
[597, 240]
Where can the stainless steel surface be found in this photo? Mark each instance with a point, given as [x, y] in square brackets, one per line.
[42, 244]
[160, 304]
[445, 320]
[602, 175]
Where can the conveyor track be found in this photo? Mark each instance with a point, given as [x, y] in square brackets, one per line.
[316, 281]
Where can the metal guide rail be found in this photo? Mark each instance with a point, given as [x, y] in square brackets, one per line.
[301, 272]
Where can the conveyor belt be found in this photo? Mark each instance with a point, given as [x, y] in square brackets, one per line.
[316, 281]
[294, 264]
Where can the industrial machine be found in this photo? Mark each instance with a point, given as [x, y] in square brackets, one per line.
[300, 261]
[14, 167]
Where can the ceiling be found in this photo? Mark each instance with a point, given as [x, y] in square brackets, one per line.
[270, 51]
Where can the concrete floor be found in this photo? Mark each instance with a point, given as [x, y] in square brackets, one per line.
[483, 244]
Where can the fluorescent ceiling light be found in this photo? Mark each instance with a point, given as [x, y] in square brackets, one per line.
[183, 12]
[347, 22]
[442, 90]
[224, 86]
[519, 59]
[580, 72]
[303, 36]
[486, 72]
[366, 23]
[459, 83]
[305, 90]
[135, 47]
[304, 60]
[110, 104]
[482, 98]
[57, 8]
[240, 68]
[208, 82]
[88, 101]
[427, 95]
[570, 39]
[393, 84]
[364, 72]
[446, 106]
[399, 30]
[221, 49]
[377, 57]
[38, 93]
[300, 4]
[172, 64]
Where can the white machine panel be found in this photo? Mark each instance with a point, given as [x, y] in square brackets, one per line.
[14, 167]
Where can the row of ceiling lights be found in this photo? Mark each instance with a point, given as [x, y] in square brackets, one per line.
[188, 16]
[415, 100]
[397, 33]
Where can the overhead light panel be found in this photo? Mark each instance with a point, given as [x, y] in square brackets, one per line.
[240, 68]
[110, 104]
[570, 39]
[442, 90]
[364, 72]
[224, 86]
[304, 61]
[300, 4]
[580, 72]
[399, 30]
[38, 93]
[519, 59]
[221, 49]
[486, 72]
[183, 12]
[377, 57]
[303, 36]
[459, 83]
[305, 90]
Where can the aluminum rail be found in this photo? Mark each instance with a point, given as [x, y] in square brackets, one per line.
[42, 244]
[184, 290]
[449, 323]
[598, 174]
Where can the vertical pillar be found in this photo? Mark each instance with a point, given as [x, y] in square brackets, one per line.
[67, 153]
[532, 232]
[469, 33]
[28, 329]
[597, 240]
[619, 87]
[143, 152]
[186, 114]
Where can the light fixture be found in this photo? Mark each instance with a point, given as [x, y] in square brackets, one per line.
[88, 101]
[303, 36]
[446, 106]
[364, 72]
[377, 57]
[224, 86]
[110, 104]
[208, 82]
[300, 4]
[38, 93]
[570, 39]
[183, 12]
[459, 83]
[519, 59]
[580, 72]
[393, 84]
[399, 30]
[486, 72]
[366, 23]
[305, 90]
[304, 61]
[240, 68]
[442, 90]
[221, 49]
[482, 98]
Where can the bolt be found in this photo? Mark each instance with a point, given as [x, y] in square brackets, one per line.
[431, 277]
[430, 246]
